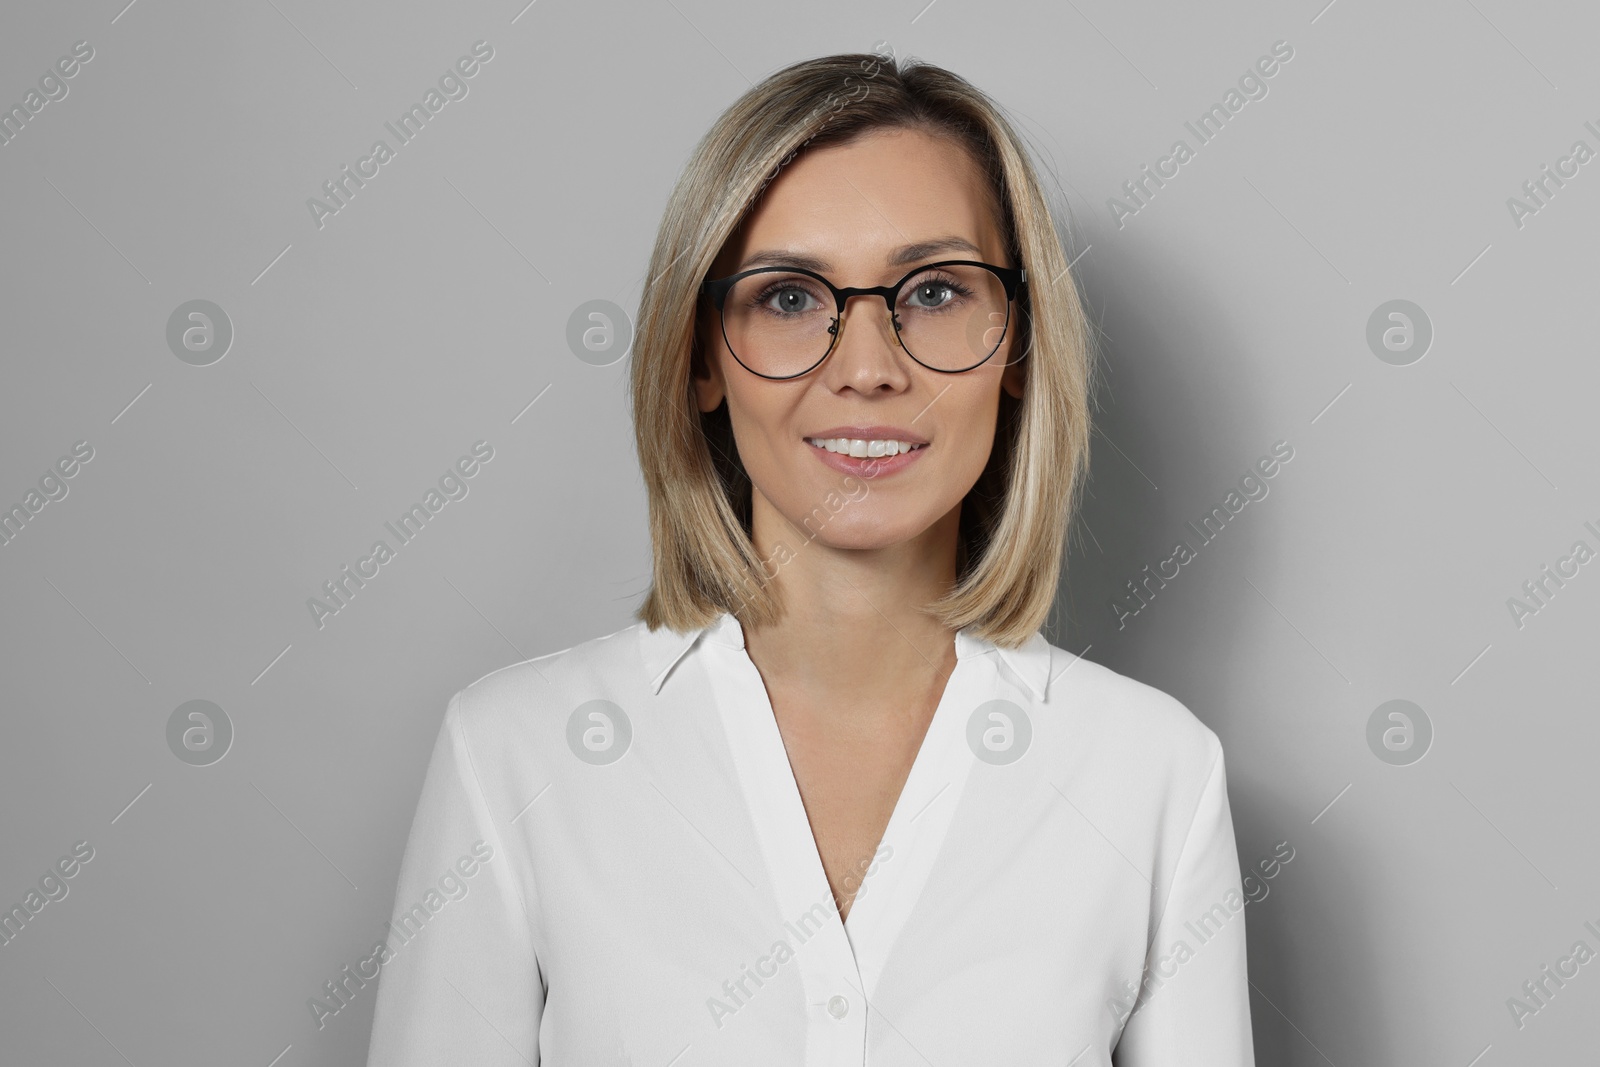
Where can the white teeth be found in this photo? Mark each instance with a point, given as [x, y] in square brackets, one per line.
[862, 448]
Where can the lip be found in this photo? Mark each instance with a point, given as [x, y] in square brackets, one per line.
[871, 433]
[868, 466]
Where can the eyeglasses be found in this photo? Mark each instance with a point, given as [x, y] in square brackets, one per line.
[782, 322]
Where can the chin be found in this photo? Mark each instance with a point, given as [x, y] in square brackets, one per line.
[860, 533]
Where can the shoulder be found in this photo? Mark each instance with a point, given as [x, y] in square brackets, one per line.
[1128, 723]
[607, 667]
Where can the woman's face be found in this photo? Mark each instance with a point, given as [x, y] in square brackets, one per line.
[854, 207]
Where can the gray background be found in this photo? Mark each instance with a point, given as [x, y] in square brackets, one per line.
[432, 311]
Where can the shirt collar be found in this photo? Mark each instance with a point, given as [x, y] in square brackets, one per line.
[661, 649]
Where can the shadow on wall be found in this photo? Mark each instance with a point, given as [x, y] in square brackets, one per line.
[1174, 504]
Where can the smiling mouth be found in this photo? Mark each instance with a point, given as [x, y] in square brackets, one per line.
[863, 449]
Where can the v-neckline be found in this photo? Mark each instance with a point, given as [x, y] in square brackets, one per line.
[917, 825]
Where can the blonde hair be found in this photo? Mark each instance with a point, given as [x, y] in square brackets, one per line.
[1014, 519]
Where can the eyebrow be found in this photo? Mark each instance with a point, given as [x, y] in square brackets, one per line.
[901, 257]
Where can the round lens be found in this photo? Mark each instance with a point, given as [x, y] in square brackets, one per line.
[953, 317]
[777, 323]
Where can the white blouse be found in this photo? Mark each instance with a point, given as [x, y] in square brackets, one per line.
[611, 864]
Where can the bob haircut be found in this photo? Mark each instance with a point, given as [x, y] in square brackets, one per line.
[1014, 519]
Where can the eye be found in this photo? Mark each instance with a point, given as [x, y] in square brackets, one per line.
[783, 297]
[934, 291]
[788, 298]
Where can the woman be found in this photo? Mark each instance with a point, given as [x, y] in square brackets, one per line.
[835, 800]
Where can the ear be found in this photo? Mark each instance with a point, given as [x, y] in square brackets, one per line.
[709, 388]
[1014, 376]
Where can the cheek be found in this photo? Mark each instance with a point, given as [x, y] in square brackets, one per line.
[970, 423]
[969, 456]
[759, 423]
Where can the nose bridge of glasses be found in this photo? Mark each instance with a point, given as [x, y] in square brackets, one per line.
[875, 295]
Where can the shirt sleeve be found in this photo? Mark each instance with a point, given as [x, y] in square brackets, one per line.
[460, 981]
[1193, 1005]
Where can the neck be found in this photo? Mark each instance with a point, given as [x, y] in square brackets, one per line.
[855, 610]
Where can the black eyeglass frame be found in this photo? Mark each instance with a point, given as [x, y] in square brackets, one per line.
[1012, 278]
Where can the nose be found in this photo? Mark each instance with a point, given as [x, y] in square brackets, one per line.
[866, 353]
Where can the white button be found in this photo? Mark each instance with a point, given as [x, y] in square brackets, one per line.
[838, 1007]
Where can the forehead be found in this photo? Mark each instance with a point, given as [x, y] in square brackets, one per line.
[853, 205]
